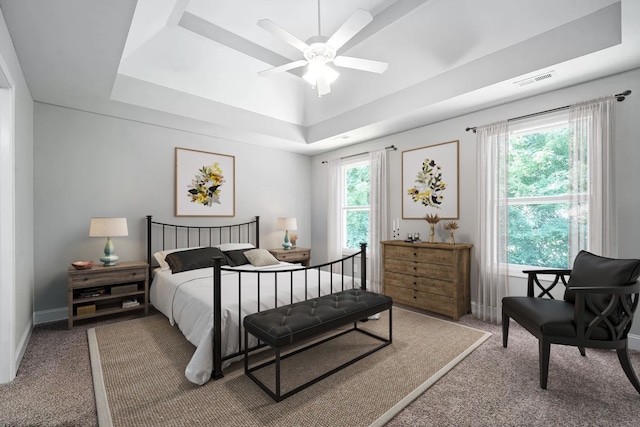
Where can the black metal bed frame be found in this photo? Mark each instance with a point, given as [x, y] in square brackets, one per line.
[184, 236]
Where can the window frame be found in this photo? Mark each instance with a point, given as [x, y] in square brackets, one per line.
[352, 162]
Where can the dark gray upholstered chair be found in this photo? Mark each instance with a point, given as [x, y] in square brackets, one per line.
[597, 310]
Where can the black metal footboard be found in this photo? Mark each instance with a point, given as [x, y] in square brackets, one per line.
[345, 267]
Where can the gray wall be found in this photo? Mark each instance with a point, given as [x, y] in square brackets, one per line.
[93, 165]
[626, 153]
[23, 183]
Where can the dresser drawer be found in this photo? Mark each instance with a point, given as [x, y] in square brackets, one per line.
[420, 254]
[106, 277]
[425, 300]
[418, 283]
[415, 268]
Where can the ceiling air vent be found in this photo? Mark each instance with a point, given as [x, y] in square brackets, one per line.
[535, 79]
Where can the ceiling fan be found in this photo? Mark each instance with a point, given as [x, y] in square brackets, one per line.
[319, 51]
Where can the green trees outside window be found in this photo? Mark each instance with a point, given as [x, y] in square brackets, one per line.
[356, 205]
[539, 191]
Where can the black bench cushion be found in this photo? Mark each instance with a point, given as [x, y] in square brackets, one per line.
[292, 323]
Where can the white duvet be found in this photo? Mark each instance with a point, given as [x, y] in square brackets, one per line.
[187, 300]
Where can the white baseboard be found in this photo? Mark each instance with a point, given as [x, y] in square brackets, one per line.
[24, 341]
[634, 341]
[53, 315]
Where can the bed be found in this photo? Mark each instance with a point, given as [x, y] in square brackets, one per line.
[206, 279]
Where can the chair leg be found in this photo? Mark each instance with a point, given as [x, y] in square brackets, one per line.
[545, 351]
[582, 352]
[505, 330]
[623, 356]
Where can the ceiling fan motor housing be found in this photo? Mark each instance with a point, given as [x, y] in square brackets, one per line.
[319, 49]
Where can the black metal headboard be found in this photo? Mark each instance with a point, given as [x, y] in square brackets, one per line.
[162, 236]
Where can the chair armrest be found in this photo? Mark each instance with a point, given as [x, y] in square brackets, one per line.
[611, 290]
[533, 280]
[548, 271]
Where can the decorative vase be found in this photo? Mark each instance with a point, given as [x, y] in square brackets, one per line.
[452, 241]
[432, 233]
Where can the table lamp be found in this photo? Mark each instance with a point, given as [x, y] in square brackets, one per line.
[108, 227]
[287, 224]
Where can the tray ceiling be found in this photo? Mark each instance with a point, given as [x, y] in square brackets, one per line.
[194, 63]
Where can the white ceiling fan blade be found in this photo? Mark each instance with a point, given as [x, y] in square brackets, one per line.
[350, 28]
[361, 64]
[283, 34]
[282, 68]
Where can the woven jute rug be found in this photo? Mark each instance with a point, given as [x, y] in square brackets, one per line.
[138, 372]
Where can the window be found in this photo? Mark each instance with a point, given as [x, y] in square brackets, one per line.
[539, 193]
[355, 204]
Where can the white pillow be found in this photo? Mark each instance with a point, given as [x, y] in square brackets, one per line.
[260, 258]
[234, 246]
[159, 256]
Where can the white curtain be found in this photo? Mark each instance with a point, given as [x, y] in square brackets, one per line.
[491, 223]
[378, 216]
[591, 178]
[334, 213]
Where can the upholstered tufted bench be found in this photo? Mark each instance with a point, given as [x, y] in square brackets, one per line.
[285, 326]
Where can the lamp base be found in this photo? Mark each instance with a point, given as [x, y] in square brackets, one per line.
[109, 260]
[109, 257]
[287, 242]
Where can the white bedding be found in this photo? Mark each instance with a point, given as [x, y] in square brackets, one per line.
[187, 300]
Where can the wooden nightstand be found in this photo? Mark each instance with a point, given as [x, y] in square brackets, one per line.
[101, 290]
[301, 255]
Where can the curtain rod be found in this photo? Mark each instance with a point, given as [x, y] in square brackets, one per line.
[619, 97]
[391, 147]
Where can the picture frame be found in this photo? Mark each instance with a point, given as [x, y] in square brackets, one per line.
[204, 183]
[430, 181]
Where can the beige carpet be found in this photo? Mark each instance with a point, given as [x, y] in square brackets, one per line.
[138, 370]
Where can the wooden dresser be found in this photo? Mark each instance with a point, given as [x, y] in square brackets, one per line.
[433, 277]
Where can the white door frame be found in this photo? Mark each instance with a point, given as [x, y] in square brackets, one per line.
[7, 227]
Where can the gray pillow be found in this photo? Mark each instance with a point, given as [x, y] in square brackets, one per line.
[260, 257]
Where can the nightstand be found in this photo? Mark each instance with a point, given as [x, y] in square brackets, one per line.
[301, 255]
[100, 290]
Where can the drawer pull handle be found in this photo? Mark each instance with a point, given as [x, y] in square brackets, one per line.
[85, 279]
[415, 297]
[415, 254]
[133, 274]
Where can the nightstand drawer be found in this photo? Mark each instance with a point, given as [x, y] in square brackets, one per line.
[301, 255]
[294, 256]
[107, 277]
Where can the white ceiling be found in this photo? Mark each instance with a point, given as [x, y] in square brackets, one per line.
[192, 64]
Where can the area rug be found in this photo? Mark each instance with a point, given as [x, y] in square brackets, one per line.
[138, 373]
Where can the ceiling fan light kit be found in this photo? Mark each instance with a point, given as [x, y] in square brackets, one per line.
[320, 52]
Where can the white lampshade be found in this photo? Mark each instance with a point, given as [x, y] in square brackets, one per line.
[108, 227]
[287, 224]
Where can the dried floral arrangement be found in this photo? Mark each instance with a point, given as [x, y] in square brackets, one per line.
[450, 226]
[432, 218]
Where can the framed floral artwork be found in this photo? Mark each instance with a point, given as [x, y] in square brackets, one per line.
[205, 183]
[430, 181]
